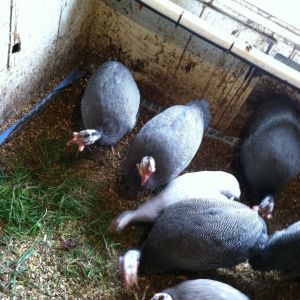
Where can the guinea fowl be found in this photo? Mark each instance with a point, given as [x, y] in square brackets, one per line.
[204, 184]
[197, 235]
[269, 154]
[109, 106]
[204, 289]
[282, 251]
[166, 144]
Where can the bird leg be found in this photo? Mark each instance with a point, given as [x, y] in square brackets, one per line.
[112, 150]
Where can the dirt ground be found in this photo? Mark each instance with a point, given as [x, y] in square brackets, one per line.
[103, 166]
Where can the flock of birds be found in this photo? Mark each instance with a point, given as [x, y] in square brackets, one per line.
[198, 224]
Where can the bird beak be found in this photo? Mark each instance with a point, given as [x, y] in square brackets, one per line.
[76, 140]
[144, 178]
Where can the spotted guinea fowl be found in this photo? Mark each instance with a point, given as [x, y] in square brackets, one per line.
[204, 289]
[282, 251]
[166, 144]
[204, 184]
[196, 235]
[269, 154]
[109, 106]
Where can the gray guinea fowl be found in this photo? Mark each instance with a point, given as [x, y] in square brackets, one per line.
[165, 145]
[270, 152]
[200, 289]
[282, 251]
[197, 235]
[109, 106]
[203, 184]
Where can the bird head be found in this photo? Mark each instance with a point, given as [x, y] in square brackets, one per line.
[84, 138]
[265, 208]
[161, 296]
[145, 168]
[128, 265]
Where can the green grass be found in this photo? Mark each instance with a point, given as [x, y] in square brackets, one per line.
[28, 206]
[42, 197]
[40, 192]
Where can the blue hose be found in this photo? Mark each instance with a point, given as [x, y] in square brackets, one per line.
[73, 76]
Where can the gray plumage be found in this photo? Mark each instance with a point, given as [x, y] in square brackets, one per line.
[282, 251]
[172, 138]
[203, 184]
[201, 289]
[202, 234]
[270, 152]
[111, 102]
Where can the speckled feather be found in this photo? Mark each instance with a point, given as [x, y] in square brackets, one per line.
[202, 234]
[111, 102]
[282, 251]
[204, 289]
[270, 153]
[172, 138]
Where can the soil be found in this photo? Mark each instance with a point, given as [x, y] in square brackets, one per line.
[103, 165]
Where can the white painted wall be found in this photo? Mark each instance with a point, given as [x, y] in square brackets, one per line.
[4, 28]
[53, 35]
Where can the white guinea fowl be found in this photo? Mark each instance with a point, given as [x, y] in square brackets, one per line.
[203, 184]
[109, 106]
[204, 289]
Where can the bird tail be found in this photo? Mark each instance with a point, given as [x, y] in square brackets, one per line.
[203, 105]
[258, 259]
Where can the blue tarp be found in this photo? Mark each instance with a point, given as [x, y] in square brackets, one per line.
[74, 75]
